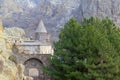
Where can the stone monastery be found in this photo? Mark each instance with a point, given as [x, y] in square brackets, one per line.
[33, 53]
[40, 44]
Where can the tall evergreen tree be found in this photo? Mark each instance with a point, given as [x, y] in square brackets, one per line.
[87, 51]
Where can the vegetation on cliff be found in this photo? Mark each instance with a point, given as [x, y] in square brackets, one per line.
[88, 50]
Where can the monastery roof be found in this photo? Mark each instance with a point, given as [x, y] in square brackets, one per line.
[41, 27]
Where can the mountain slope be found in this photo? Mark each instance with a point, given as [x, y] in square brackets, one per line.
[54, 13]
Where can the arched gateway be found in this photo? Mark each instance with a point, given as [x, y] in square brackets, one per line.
[33, 53]
[34, 68]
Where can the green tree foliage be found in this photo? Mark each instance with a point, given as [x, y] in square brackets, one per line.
[87, 51]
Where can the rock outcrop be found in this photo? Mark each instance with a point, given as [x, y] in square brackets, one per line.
[9, 68]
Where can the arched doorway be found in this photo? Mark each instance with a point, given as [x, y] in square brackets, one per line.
[34, 68]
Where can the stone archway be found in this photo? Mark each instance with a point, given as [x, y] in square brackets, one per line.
[34, 68]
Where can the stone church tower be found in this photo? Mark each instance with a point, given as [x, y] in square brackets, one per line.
[41, 33]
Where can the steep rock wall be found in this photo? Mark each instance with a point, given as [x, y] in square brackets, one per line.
[9, 68]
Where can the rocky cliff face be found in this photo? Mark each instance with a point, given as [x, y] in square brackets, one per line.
[99, 8]
[9, 68]
[54, 13]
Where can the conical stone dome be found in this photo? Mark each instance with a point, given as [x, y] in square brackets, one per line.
[41, 28]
